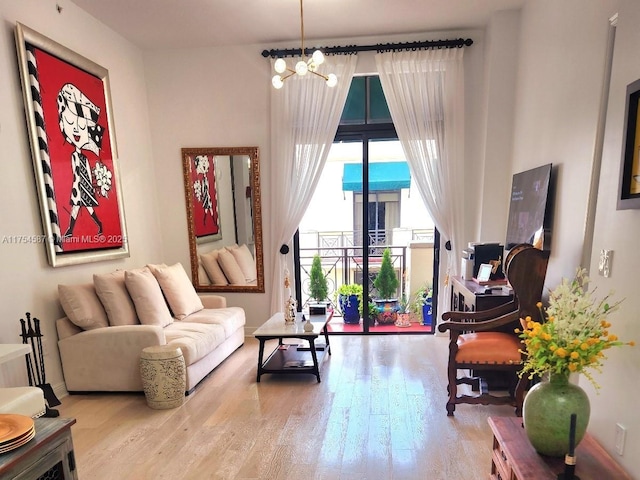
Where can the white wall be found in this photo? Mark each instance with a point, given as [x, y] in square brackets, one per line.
[619, 231]
[210, 97]
[27, 282]
[560, 77]
[217, 97]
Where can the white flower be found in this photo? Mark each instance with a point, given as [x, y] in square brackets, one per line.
[102, 177]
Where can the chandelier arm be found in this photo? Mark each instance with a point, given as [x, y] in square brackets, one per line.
[319, 74]
[293, 72]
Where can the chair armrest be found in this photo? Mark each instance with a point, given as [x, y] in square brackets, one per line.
[481, 326]
[213, 301]
[495, 312]
[106, 359]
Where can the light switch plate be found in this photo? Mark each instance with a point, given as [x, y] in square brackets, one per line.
[604, 266]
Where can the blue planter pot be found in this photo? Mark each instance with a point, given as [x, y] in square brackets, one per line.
[427, 312]
[349, 306]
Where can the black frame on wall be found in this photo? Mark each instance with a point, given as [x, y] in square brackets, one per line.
[629, 184]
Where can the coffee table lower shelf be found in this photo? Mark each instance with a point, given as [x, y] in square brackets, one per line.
[289, 359]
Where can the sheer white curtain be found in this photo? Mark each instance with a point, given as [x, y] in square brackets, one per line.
[425, 94]
[304, 119]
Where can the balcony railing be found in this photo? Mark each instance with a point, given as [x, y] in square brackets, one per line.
[342, 257]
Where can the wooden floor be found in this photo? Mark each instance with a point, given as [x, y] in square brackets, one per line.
[378, 414]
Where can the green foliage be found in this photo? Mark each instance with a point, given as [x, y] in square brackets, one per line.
[419, 299]
[317, 281]
[350, 289]
[386, 281]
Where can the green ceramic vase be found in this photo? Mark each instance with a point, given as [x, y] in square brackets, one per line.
[547, 413]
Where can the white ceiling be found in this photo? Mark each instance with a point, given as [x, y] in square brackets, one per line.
[161, 24]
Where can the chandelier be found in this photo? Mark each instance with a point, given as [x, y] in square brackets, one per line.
[305, 65]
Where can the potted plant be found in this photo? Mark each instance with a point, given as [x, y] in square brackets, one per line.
[404, 313]
[350, 302]
[421, 304]
[386, 284]
[318, 288]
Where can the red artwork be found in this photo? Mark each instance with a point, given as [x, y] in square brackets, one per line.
[204, 196]
[82, 166]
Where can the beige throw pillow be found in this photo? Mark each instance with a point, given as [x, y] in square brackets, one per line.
[178, 290]
[82, 306]
[212, 267]
[145, 292]
[231, 268]
[245, 261]
[115, 298]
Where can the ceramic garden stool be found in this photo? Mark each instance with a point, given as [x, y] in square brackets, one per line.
[163, 375]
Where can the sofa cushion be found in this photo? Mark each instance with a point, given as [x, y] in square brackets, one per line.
[245, 261]
[230, 318]
[115, 298]
[230, 267]
[145, 292]
[82, 305]
[178, 289]
[213, 269]
[196, 340]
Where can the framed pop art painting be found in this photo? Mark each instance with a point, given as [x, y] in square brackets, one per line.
[201, 194]
[70, 127]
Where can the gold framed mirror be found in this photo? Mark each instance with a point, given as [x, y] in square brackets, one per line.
[224, 218]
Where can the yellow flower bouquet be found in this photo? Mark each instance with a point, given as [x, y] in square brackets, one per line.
[572, 334]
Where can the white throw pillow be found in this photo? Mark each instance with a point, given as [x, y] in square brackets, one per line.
[115, 298]
[178, 290]
[213, 269]
[231, 268]
[82, 305]
[245, 261]
[145, 292]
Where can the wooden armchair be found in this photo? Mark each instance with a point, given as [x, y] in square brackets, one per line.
[486, 340]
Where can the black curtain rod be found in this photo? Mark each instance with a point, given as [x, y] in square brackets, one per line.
[379, 47]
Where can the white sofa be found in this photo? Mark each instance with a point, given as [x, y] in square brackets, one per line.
[109, 322]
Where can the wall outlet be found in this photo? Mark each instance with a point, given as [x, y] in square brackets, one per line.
[621, 434]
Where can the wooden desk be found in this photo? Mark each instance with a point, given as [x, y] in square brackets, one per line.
[514, 458]
[469, 296]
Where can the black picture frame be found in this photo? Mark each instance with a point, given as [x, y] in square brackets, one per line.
[629, 184]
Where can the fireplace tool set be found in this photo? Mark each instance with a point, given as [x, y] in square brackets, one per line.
[32, 335]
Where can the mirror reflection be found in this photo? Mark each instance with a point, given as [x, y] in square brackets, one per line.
[222, 193]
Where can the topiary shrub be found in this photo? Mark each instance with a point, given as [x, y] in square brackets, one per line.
[317, 281]
[386, 281]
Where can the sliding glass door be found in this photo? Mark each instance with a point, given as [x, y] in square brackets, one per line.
[364, 204]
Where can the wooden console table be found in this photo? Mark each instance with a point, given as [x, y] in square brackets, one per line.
[48, 455]
[514, 458]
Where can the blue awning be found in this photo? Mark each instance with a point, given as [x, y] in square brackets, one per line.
[382, 176]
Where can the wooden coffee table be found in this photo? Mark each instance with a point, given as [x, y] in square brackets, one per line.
[290, 358]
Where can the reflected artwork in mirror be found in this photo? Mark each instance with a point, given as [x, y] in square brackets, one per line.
[224, 218]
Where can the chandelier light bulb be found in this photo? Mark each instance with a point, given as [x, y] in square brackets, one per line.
[318, 57]
[302, 68]
[277, 82]
[280, 65]
[332, 80]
